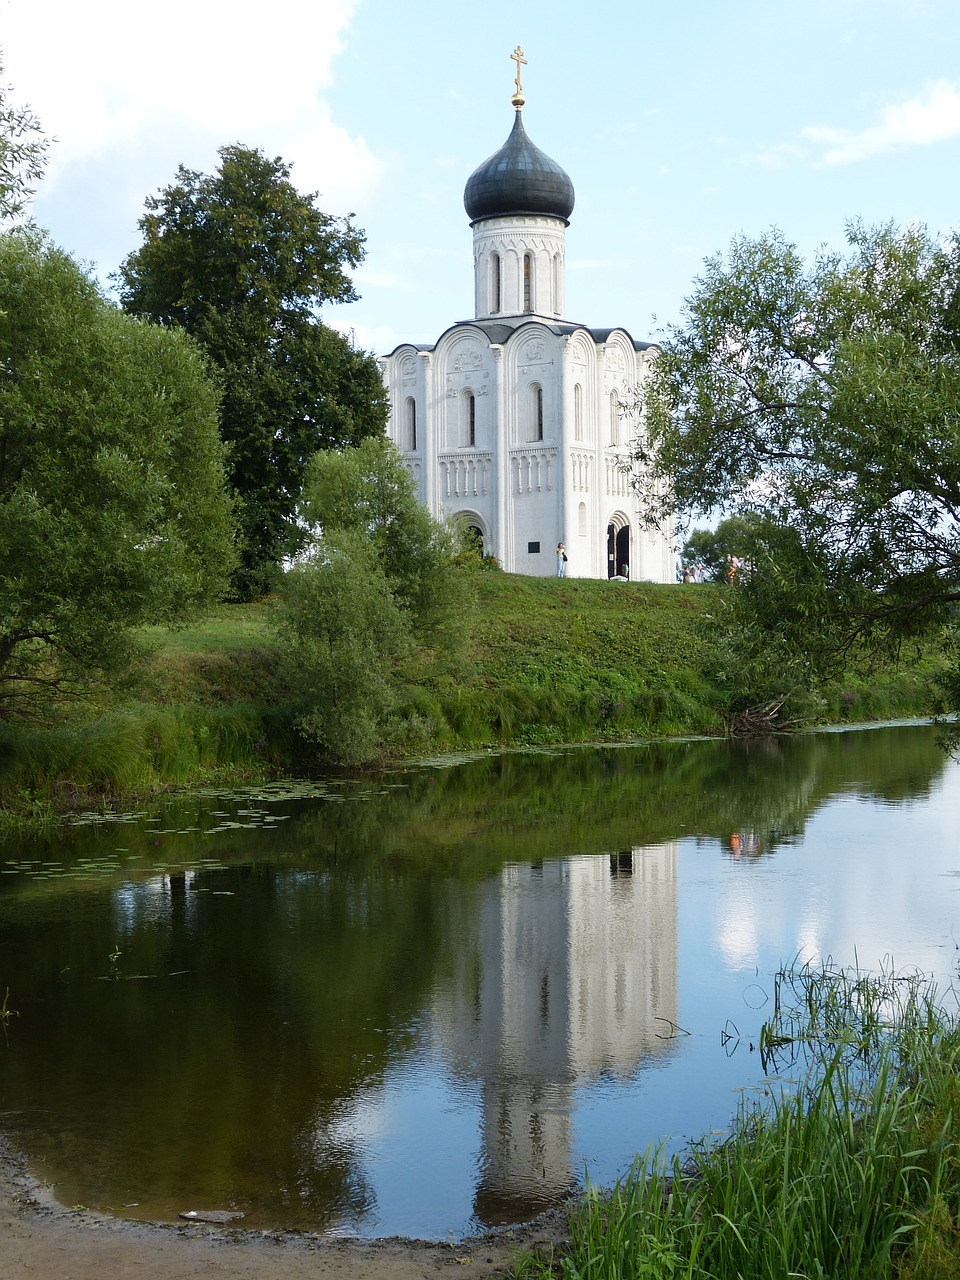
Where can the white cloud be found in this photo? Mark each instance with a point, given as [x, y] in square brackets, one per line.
[776, 156]
[107, 76]
[370, 278]
[930, 117]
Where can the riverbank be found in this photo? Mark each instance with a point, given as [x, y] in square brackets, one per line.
[536, 662]
[849, 1167]
[854, 1174]
[44, 1240]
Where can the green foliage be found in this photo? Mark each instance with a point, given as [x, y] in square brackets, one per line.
[23, 150]
[544, 661]
[731, 544]
[138, 751]
[242, 261]
[367, 490]
[380, 575]
[342, 632]
[822, 401]
[113, 509]
[854, 1174]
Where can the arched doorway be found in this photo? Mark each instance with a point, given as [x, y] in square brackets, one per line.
[473, 537]
[618, 549]
[470, 527]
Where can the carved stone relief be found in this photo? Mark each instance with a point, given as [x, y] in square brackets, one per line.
[468, 358]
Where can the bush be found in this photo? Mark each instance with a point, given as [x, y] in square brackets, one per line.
[342, 633]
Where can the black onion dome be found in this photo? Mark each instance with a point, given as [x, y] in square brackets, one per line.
[518, 178]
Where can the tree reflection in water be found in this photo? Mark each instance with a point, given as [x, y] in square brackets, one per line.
[399, 994]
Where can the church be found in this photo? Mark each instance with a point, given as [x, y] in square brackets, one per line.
[511, 423]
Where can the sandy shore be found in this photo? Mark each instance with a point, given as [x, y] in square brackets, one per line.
[43, 1240]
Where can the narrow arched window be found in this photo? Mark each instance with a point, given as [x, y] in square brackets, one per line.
[410, 426]
[468, 420]
[557, 276]
[614, 418]
[535, 430]
[527, 282]
[582, 519]
[496, 282]
[577, 411]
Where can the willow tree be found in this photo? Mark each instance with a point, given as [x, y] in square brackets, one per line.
[23, 149]
[822, 400]
[114, 510]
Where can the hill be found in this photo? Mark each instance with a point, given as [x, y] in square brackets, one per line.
[533, 661]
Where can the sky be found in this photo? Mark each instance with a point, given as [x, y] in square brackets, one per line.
[681, 126]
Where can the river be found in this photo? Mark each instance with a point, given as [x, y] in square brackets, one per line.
[434, 1000]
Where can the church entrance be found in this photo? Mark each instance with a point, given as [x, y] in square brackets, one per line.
[618, 551]
[473, 537]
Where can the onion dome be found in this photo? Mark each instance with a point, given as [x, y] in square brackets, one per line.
[519, 178]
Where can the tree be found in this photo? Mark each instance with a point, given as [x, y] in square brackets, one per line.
[731, 543]
[824, 402]
[243, 262]
[23, 151]
[381, 582]
[368, 490]
[113, 505]
[342, 633]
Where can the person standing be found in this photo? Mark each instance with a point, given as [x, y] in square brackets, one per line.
[561, 561]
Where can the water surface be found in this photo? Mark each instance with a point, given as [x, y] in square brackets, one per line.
[434, 1001]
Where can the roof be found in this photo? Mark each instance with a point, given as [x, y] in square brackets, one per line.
[501, 330]
[518, 179]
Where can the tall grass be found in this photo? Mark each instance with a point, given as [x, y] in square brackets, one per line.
[134, 752]
[854, 1174]
[543, 661]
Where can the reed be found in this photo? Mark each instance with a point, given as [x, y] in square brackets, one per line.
[6, 1013]
[853, 1173]
[137, 751]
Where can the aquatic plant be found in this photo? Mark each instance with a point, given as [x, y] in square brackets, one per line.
[6, 1013]
[851, 1172]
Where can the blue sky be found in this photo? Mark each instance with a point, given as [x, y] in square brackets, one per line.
[681, 127]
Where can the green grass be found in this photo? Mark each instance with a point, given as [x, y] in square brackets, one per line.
[134, 752]
[852, 1175]
[540, 661]
[228, 626]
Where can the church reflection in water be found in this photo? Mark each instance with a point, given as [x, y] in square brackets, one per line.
[564, 972]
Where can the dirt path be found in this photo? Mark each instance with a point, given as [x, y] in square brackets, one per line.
[42, 1240]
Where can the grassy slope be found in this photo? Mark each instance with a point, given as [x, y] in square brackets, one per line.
[542, 628]
[602, 659]
[541, 661]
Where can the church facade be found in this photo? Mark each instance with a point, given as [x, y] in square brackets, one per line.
[511, 424]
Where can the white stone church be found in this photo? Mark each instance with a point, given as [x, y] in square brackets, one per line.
[511, 423]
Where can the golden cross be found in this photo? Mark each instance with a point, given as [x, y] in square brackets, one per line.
[518, 58]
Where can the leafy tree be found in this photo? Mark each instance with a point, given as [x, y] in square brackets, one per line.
[381, 583]
[22, 154]
[369, 491]
[113, 506]
[243, 261]
[733, 540]
[824, 401]
[342, 632]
